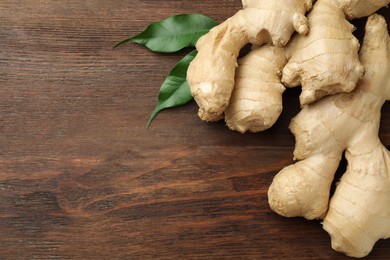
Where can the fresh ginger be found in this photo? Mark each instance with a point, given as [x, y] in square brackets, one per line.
[336, 118]
[325, 61]
[256, 101]
[330, 42]
[360, 8]
[358, 213]
[211, 74]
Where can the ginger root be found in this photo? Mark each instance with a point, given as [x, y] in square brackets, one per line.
[256, 101]
[342, 95]
[325, 61]
[361, 8]
[211, 74]
[358, 213]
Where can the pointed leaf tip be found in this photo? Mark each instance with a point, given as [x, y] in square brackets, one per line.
[175, 90]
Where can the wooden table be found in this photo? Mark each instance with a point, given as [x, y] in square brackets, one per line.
[82, 178]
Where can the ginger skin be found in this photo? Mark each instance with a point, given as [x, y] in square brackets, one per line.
[325, 61]
[336, 117]
[211, 74]
[358, 213]
[361, 8]
[256, 101]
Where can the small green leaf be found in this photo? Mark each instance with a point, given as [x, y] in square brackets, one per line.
[175, 90]
[174, 33]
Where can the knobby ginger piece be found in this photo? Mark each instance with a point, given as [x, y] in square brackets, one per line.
[256, 101]
[211, 74]
[361, 8]
[358, 213]
[325, 61]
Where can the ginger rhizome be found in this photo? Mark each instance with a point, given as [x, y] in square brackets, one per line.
[211, 74]
[256, 101]
[358, 213]
[325, 61]
[342, 95]
[322, 58]
[360, 8]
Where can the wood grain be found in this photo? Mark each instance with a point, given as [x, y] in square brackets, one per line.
[82, 178]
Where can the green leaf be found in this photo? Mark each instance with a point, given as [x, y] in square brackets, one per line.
[174, 33]
[175, 90]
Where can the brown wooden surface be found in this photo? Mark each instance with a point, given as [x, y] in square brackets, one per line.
[82, 178]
